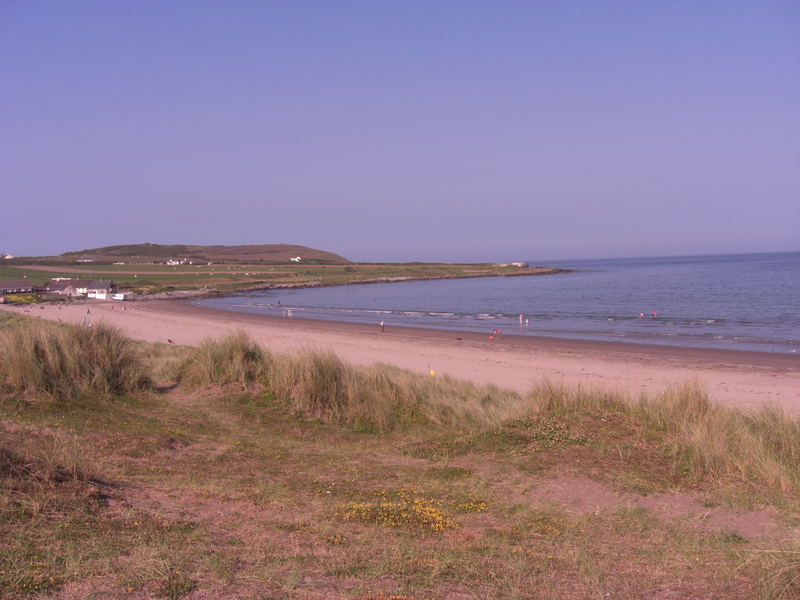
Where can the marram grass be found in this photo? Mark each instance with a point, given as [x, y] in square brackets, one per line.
[48, 494]
[704, 440]
[64, 362]
[233, 360]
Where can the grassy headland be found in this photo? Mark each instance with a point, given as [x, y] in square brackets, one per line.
[240, 473]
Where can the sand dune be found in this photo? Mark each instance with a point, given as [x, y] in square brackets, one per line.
[744, 379]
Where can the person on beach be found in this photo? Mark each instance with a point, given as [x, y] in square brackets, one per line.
[382, 327]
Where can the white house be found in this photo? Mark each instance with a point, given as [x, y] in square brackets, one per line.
[99, 289]
[296, 259]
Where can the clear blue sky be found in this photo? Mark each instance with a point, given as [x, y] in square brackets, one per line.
[402, 130]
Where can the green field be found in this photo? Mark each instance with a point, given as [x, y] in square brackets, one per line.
[228, 277]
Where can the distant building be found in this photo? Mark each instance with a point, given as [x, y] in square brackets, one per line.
[296, 259]
[16, 287]
[86, 260]
[511, 264]
[100, 289]
[66, 286]
[92, 288]
[6, 256]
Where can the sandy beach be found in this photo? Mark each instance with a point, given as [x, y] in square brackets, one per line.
[743, 379]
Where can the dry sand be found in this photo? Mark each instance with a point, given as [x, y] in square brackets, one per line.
[744, 379]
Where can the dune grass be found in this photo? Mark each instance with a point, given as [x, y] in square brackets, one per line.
[64, 362]
[381, 398]
[703, 440]
[364, 477]
[233, 360]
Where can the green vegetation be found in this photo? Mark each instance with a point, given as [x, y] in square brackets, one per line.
[259, 475]
[21, 299]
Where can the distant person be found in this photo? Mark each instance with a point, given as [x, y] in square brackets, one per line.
[383, 328]
[653, 314]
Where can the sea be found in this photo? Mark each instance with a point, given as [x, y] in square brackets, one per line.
[738, 302]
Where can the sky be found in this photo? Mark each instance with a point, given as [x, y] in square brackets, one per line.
[398, 131]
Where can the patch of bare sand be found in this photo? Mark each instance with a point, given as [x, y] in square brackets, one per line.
[583, 495]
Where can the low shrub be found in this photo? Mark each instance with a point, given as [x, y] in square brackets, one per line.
[22, 299]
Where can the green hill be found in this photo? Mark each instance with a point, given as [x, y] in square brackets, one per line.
[278, 253]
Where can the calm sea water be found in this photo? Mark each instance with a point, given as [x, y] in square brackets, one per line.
[742, 302]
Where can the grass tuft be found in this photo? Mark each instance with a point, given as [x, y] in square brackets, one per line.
[712, 441]
[65, 362]
[233, 360]
[319, 385]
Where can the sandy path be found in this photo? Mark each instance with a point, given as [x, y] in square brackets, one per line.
[744, 379]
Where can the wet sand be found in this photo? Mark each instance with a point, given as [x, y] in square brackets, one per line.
[744, 379]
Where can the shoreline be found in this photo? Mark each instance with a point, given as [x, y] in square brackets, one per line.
[736, 378]
[772, 360]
